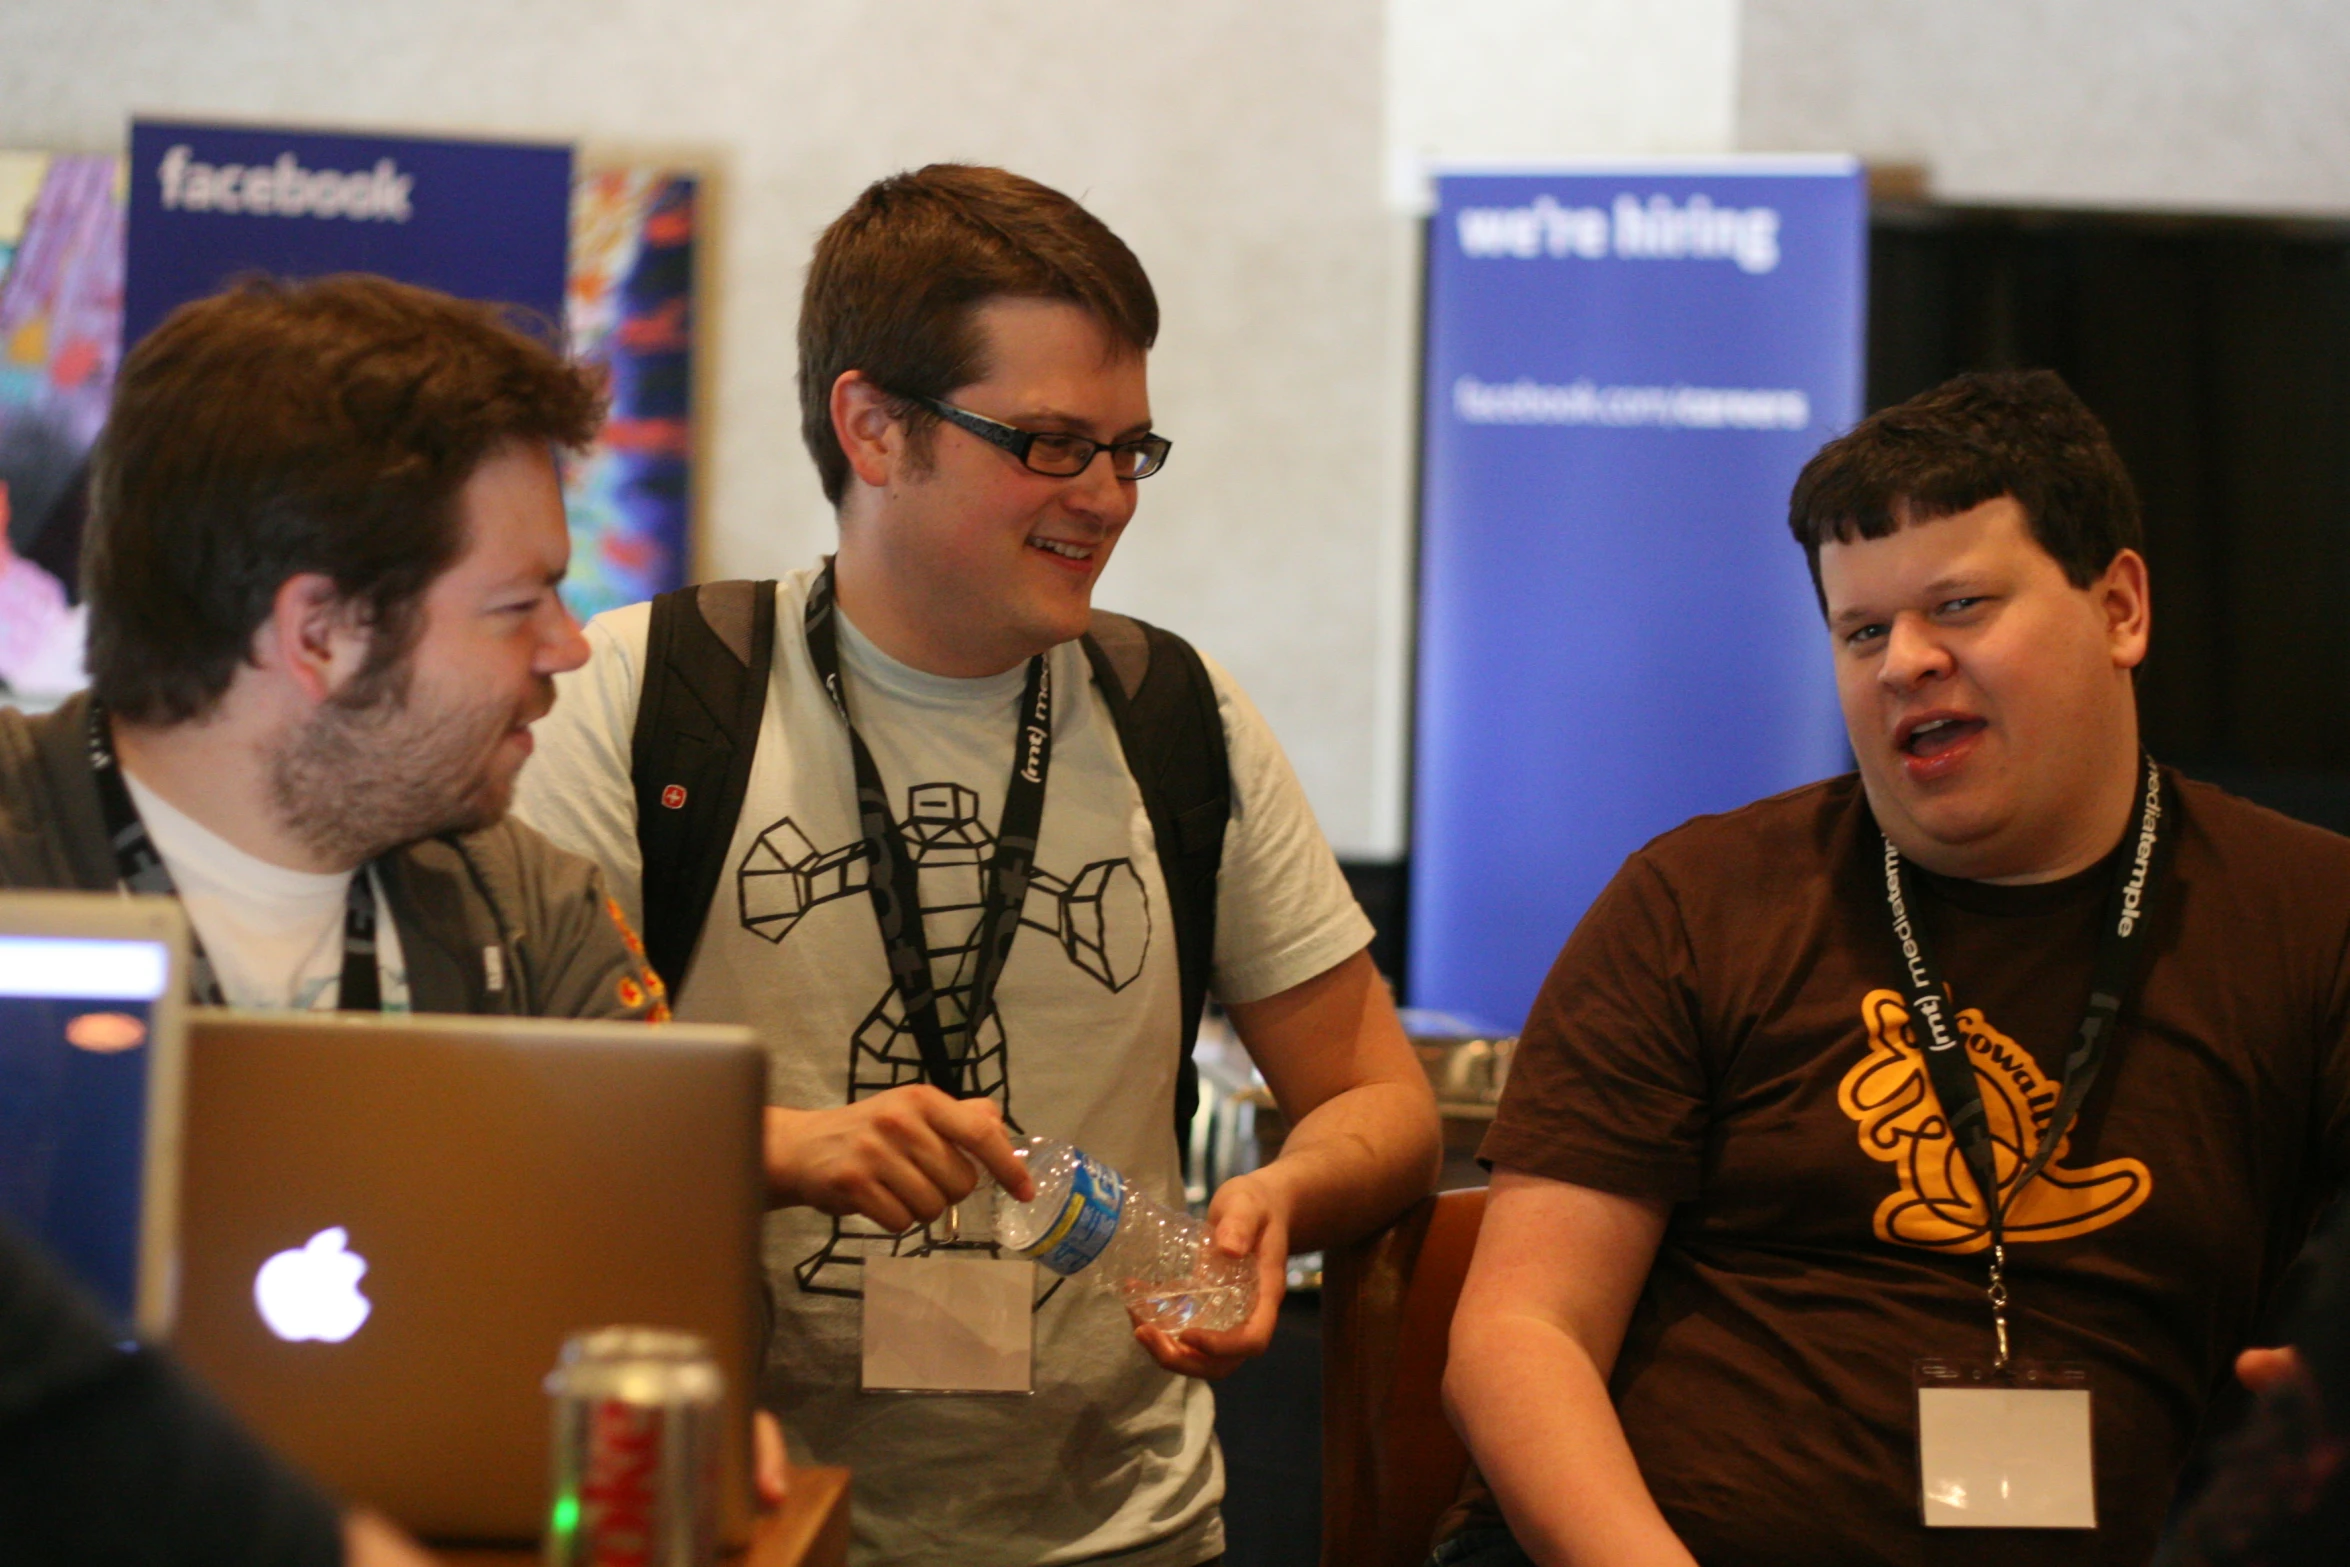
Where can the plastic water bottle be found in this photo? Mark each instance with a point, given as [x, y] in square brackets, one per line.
[1087, 1218]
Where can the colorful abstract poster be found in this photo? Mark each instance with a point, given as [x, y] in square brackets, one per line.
[630, 311]
[61, 256]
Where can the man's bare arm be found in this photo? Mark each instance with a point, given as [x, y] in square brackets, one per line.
[1363, 1143]
[1550, 1292]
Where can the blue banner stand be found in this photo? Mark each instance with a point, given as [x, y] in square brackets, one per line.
[1626, 367]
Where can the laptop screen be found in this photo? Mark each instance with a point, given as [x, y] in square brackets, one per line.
[77, 1017]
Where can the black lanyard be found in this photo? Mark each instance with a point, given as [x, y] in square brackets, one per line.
[1933, 1024]
[896, 879]
[140, 866]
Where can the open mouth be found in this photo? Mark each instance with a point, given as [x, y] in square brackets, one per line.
[1079, 553]
[1935, 736]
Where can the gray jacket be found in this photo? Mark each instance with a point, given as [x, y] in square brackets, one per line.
[564, 949]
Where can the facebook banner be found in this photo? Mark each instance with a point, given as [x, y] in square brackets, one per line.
[484, 220]
[1626, 369]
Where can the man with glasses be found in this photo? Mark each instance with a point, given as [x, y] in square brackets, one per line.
[943, 732]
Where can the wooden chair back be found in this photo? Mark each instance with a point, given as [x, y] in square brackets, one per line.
[1391, 1462]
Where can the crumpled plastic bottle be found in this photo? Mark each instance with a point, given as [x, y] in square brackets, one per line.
[1087, 1218]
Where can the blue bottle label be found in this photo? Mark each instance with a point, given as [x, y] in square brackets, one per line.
[1097, 1195]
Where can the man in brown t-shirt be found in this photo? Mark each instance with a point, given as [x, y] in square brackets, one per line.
[1728, 1214]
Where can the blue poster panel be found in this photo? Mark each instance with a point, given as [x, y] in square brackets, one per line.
[485, 220]
[1626, 368]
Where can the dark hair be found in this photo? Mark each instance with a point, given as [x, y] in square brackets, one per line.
[281, 428]
[897, 280]
[1974, 438]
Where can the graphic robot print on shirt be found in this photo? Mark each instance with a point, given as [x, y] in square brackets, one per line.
[1937, 1206]
[1101, 917]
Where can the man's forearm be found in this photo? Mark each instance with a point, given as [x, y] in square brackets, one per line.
[1357, 1160]
[1538, 1419]
[1363, 1140]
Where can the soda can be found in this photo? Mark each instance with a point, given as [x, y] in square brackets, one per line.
[636, 1450]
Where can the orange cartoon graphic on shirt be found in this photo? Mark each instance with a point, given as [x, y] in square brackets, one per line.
[1938, 1206]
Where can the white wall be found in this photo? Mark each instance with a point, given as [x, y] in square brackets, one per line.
[1501, 82]
[2230, 105]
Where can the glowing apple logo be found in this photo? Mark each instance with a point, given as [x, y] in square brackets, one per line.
[313, 1292]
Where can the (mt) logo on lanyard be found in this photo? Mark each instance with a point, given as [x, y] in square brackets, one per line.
[1937, 1206]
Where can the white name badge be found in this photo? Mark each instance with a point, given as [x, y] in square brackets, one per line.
[949, 1324]
[2005, 1450]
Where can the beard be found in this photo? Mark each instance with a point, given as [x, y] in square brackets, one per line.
[376, 767]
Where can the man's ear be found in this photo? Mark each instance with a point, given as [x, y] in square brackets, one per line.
[868, 431]
[314, 637]
[2125, 597]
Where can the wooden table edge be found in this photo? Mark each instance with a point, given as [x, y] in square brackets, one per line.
[810, 1529]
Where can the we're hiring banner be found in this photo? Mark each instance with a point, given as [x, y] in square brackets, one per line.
[484, 220]
[1626, 368]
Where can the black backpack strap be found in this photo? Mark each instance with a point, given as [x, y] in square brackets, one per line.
[1163, 704]
[707, 658]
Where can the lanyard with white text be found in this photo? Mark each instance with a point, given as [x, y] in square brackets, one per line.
[896, 877]
[140, 866]
[1933, 1025]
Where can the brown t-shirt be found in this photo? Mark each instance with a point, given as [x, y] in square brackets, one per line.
[1725, 1031]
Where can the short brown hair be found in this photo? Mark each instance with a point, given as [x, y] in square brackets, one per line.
[281, 428]
[897, 279]
[2020, 433]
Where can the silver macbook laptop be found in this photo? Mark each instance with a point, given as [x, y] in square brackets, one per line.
[90, 1009]
[389, 1227]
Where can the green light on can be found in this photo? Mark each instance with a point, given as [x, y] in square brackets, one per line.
[565, 1517]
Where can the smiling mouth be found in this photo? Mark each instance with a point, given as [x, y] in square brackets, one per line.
[1937, 735]
[1063, 548]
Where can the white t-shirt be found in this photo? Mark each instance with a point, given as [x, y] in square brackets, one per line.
[1111, 1454]
[274, 936]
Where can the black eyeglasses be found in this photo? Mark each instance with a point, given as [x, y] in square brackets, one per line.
[1061, 456]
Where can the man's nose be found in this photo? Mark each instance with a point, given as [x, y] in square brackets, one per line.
[565, 647]
[1099, 492]
[1914, 653]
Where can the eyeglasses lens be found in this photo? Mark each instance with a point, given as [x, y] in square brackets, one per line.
[1059, 455]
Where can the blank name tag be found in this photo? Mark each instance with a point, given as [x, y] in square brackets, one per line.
[948, 1324]
[2005, 1453]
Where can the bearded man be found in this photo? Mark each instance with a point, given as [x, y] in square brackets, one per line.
[326, 534]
